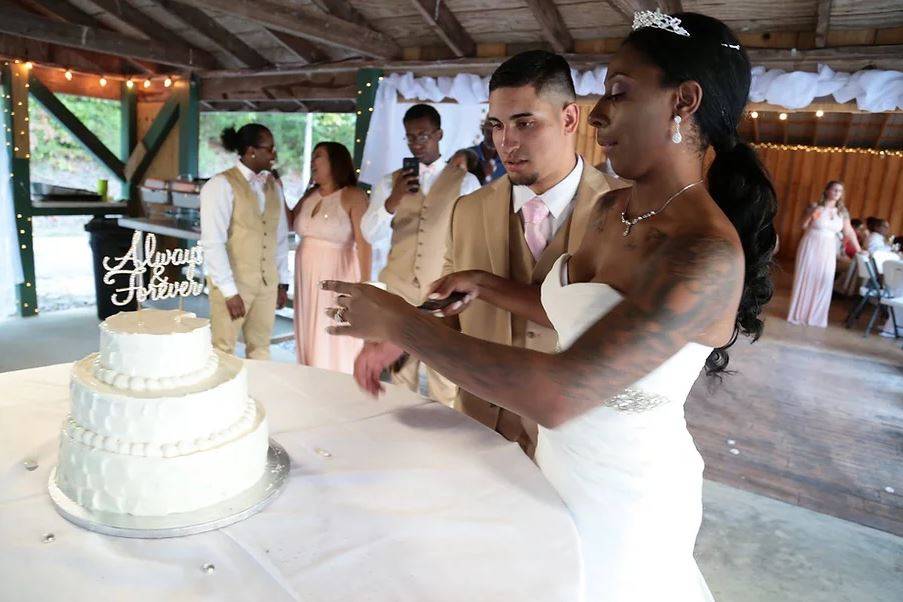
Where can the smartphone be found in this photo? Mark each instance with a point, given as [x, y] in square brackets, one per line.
[411, 164]
[437, 304]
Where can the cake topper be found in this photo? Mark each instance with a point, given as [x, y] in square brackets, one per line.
[145, 261]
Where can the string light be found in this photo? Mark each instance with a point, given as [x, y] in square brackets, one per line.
[754, 114]
[783, 116]
[167, 82]
[828, 149]
[103, 82]
[29, 65]
[68, 74]
[147, 83]
[129, 84]
[819, 113]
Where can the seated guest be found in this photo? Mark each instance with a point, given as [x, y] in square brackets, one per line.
[877, 239]
[849, 247]
[328, 220]
[491, 167]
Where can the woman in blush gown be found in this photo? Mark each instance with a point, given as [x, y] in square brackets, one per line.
[328, 219]
[670, 275]
[816, 258]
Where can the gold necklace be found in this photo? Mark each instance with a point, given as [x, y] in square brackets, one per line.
[630, 223]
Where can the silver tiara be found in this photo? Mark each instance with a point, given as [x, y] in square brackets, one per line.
[658, 19]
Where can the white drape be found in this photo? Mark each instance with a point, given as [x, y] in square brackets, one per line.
[10, 260]
[873, 90]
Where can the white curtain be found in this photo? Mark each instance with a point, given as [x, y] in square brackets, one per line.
[10, 260]
[873, 90]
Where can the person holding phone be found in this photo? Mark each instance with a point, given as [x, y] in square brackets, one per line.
[413, 206]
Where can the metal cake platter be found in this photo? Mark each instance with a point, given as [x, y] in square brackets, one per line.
[240, 507]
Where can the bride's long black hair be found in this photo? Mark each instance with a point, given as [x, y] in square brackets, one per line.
[713, 57]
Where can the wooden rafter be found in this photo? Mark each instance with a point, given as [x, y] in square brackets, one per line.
[343, 10]
[132, 18]
[314, 26]
[306, 51]
[552, 25]
[64, 11]
[883, 130]
[446, 25]
[823, 22]
[210, 28]
[849, 131]
[28, 25]
[266, 88]
[628, 7]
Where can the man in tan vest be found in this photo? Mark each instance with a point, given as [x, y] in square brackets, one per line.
[514, 229]
[416, 208]
[244, 234]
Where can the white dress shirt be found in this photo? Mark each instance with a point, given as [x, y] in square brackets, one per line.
[376, 225]
[217, 200]
[876, 242]
[559, 199]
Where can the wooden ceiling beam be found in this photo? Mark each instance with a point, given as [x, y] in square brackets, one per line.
[628, 7]
[67, 12]
[210, 28]
[883, 130]
[311, 25]
[132, 18]
[289, 87]
[28, 25]
[304, 50]
[445, 24]
[552, 25]
[822, 22]
[342, 9]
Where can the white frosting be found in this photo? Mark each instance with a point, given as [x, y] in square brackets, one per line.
[154, 343]
[141, 383]
[112, 478]
[151, 416]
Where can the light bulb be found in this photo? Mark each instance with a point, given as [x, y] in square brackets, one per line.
[68, 74]
[783, 116]
[819, 113]
[129, 84]
[167, 82]
[754, 114]
[29, 65]
[147, 83]
[103, 82]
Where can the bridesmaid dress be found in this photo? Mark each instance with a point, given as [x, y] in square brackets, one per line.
[813, 278]
[326, 252]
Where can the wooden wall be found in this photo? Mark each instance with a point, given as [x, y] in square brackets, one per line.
[873, 183]
[165, 165]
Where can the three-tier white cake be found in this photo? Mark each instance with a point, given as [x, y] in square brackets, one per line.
[161, 422]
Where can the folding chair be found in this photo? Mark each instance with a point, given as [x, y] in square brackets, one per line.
[871, 291]
[893, 287]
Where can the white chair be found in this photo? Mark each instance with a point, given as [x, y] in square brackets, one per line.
[881, 257]
[893, 286]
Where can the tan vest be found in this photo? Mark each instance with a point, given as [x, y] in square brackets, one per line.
[252, 235]
[419, 231]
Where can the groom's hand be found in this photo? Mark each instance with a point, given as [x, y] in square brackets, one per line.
[468, 282]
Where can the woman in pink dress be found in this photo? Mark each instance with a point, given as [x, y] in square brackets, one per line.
[816, 259]
[328, 219]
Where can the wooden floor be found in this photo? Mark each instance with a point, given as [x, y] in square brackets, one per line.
[814, 416]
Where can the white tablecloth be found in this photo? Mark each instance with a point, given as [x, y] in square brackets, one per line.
[416, 502]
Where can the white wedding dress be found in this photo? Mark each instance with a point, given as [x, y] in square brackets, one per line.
[628, 470]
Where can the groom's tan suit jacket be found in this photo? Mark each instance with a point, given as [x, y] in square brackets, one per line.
[486, 234]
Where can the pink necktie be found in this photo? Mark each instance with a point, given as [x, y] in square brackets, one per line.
[259, 179]
[535, 213]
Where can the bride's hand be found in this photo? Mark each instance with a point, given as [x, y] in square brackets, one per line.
[468, 282]
[365, 311]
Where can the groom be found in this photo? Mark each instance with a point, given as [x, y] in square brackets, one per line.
[520, 224]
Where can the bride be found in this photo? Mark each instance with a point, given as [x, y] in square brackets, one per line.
[663, 284]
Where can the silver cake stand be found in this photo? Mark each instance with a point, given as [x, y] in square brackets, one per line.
[240, 507]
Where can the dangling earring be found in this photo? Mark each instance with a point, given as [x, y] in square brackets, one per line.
[675, 136]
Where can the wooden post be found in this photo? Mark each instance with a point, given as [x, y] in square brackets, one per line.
[189, 127]
[128, 139]
[367, 83]
[15, 109]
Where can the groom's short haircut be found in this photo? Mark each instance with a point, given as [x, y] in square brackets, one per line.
[546, 71]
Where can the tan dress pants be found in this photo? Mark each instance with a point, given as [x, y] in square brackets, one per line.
[256, 326]
[438, 387]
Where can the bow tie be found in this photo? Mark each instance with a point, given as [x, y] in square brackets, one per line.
[259, 179]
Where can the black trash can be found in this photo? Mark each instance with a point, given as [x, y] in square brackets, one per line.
[109, 239]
